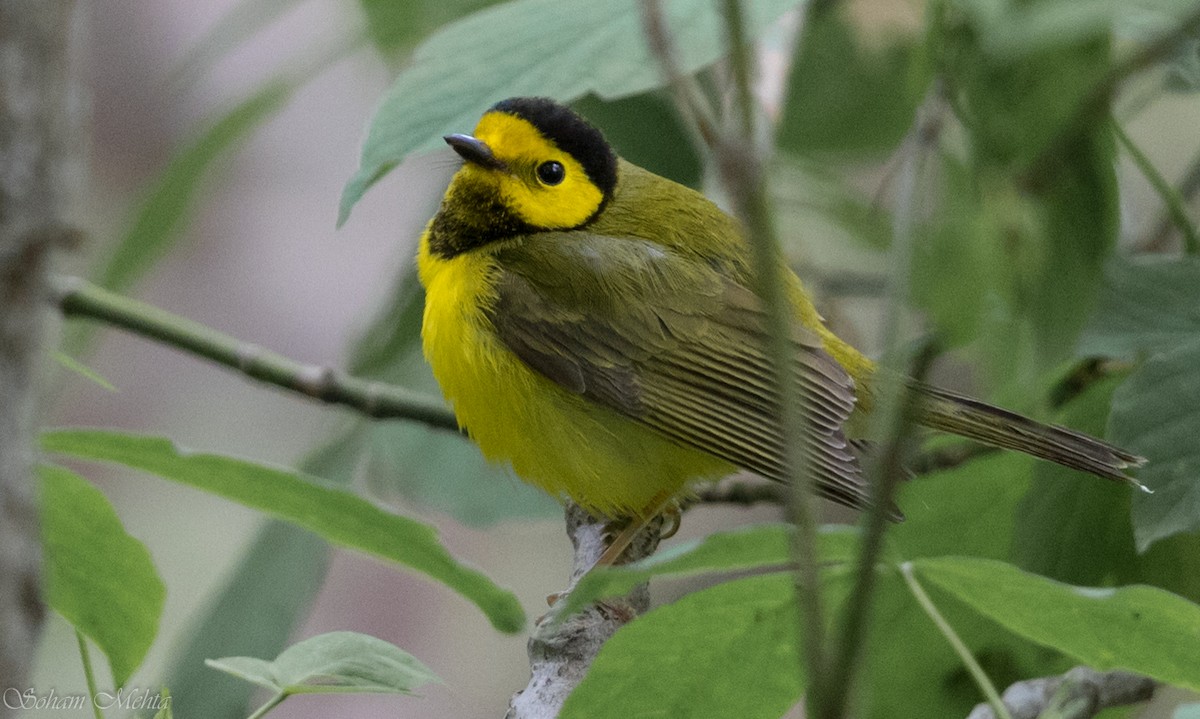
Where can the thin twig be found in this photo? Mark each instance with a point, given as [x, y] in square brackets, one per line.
[742, 175]
[964, 652]
[696, 112]
[1170, 197]
[744, 494]
[77, 298]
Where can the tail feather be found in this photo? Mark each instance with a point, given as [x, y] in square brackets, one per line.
[982, 422]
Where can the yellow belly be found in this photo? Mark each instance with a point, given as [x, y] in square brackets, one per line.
[552, 438]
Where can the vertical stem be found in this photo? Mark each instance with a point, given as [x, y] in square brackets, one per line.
[86, 657]
[895, 412]
[35, 141]
[741, 172]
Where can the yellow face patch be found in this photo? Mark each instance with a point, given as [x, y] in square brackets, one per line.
[523, 150]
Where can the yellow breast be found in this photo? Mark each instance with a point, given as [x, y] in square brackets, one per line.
[552, 438]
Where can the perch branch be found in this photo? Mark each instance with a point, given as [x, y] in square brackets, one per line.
[1081, 693]
[559, 656]
[76, 298]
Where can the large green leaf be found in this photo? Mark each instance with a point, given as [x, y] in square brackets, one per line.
[395, 24]
[1147, 304]
[256, 611]
[338, 516]
[557, 48]
[958, 268]
[646, 130]
[727, 651]
[1078, 226]
[99, 578]
[965, 510]
[1048, 181]
[1138, 628]
[846, 96]
[333, 663]
[1073, 526]
[1156, 413]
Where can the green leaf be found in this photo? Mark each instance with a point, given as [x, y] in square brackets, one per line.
[1078, 224]
[557, 48]
[1050, 180]
[97, 576]
[1072, 526]
[268, 593]
[1156, 414]
[1159, 632]
[334, 663]
[1147, 304]
[727, 651]
[395, 24]
[338, 516]
[847, 97]
[646, 130]
[910, 670]
[958, 266]
[756, 547]
[161, 217]
[1015, 101]
[965, 510]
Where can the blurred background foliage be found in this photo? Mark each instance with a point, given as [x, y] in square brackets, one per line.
[222, 136]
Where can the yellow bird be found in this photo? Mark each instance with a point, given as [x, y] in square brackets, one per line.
[592, 324]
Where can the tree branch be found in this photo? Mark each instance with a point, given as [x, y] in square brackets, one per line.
[1079, 694]
[77, 298]
[559, 657]
[36, 143]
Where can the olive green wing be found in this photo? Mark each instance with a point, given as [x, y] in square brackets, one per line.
[672, 344]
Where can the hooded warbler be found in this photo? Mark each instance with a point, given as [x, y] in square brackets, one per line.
[593, 325]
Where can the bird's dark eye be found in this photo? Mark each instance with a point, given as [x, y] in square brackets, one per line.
[551, 173]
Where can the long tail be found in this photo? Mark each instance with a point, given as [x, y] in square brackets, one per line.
[998, 427]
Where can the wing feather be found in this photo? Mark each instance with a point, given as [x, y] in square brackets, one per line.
[668, 342]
